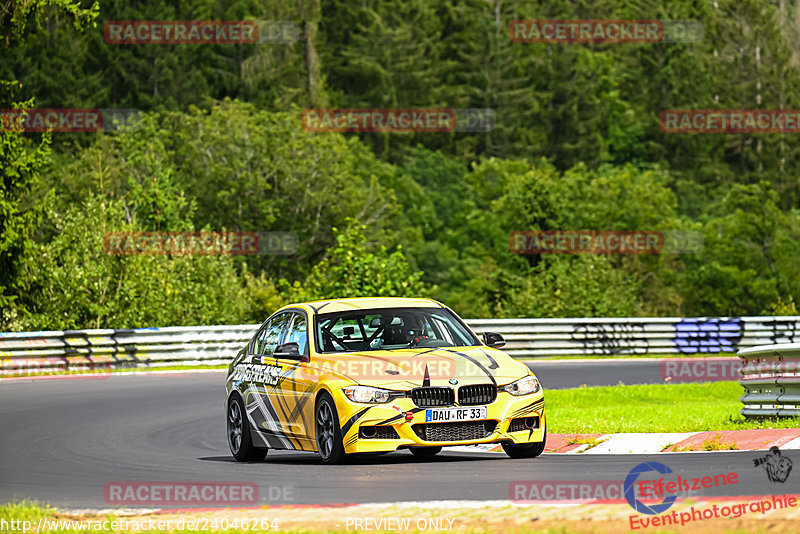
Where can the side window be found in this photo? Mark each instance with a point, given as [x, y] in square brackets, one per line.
[298, 332]
[258, 340]
[273, 334]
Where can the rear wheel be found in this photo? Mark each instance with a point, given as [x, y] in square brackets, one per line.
[329, 435]
[239, 438]
[425, 452]
[527, 450]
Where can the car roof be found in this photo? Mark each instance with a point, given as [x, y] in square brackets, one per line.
[339, 305]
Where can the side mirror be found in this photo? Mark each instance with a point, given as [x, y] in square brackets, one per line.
[493, 339]
[290, 351]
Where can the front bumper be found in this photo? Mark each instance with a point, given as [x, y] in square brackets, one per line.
[526, 412]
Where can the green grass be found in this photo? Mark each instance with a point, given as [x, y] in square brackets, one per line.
[652, 408]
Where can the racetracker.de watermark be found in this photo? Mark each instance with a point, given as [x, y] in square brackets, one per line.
[605, 31]
[604, 242]
[53, 367]
[414, 367]
[730, 121]
[201, 243]
[700, 369]
[190, 494]
[606, 491]
[200, 32]
[398, 120]
[65, 119]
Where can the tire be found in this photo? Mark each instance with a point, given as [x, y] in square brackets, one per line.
[425, 452]
[328, 433]
[239, 439]
[528, 450]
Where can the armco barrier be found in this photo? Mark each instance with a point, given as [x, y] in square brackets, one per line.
[771, 380]
[525, 338]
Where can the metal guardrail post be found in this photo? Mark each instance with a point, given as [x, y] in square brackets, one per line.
[771, 380]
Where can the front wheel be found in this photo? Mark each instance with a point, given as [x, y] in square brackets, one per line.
[239, 439]
[329, 435]
[527, 450]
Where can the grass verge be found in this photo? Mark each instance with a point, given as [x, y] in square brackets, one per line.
[652, 408]
[468, 519]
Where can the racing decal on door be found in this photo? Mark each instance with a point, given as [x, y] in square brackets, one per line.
[269, 375]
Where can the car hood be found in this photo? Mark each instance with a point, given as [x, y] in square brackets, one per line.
[410, 368]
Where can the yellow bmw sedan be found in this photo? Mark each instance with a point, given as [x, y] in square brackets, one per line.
[374, 375]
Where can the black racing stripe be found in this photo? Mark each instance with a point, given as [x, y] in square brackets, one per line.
[494, 363]
[283, 404]
[356, 417]
[529, 408]
[392, 419]
[531, 405]
[301, 402]
[271, 409]
[271, 439]
[476, 362]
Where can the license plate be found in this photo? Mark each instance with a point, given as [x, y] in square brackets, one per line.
[455, 414]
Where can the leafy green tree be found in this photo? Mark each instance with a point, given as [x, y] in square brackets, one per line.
[353, 270]
[21, 159]
[74, 282]
[749, 259]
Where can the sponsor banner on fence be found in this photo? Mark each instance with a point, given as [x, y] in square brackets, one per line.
[730, 121]
[604, 242]
[200, 32]
[398, 120]
[605, 31]
[201, 243]
[65, 119]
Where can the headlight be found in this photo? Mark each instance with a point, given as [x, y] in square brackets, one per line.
[367, 394]
[523, 386]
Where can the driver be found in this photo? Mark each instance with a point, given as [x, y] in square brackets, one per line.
[414, 336]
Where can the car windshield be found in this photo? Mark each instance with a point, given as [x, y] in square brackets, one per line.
[391, 328]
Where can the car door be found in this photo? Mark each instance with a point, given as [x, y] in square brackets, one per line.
[295, 391]
[263, 379]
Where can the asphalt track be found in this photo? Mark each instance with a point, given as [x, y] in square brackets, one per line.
[63, 440]
[597, 372]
